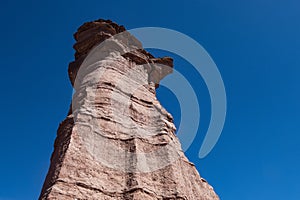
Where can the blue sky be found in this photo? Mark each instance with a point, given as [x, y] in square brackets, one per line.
[255, 45]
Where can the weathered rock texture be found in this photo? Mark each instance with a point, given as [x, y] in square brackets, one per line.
[117, 141]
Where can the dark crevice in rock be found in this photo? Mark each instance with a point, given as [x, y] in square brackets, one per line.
[60, 148]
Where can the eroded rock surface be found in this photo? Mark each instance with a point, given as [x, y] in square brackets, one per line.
[118, 142]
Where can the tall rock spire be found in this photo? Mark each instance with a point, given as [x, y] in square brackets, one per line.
[118, 142]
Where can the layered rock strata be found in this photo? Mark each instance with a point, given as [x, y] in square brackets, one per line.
[118, 142]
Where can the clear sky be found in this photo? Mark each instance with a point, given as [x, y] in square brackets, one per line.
[255, 45]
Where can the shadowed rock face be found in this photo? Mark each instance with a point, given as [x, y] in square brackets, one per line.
[117, 141]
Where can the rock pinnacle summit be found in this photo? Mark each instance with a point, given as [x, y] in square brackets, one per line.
[117, 141]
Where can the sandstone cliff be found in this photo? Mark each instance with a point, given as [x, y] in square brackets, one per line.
[117, 141]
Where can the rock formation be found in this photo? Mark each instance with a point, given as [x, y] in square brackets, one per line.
[118, 142]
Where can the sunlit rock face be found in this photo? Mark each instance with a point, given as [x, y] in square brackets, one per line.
[118, 142]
